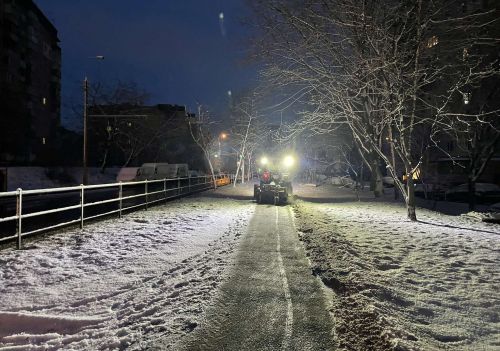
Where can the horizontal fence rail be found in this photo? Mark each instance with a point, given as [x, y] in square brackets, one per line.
[48, 209]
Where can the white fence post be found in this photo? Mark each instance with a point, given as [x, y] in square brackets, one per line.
[165, 189]
[19, 214]
[82, 204]
[146, 192]
[120, 195]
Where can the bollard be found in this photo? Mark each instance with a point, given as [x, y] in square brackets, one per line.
[19, 214]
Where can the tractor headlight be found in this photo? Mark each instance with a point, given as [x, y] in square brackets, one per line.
[288, 161]
[264, 161]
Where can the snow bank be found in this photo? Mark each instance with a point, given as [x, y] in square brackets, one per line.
[119, 283]
[429, 285]
[15, 323]
[45, 177]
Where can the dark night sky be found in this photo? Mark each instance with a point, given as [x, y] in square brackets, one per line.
[174, 49]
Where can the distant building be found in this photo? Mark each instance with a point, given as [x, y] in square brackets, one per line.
[30, 83]
[137, 134]
[459, 148]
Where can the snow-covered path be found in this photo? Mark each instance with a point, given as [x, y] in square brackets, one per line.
[119, 283]
[270, 301]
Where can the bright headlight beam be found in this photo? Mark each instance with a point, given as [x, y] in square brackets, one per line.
[288, 161]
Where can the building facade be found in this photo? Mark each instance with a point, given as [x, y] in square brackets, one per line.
[30, 83]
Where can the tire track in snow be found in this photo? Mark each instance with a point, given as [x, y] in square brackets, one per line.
[289, 312]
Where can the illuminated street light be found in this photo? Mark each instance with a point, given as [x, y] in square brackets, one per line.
[288, 161]
[222, 136]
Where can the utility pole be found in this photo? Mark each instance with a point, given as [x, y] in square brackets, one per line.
[85, 176]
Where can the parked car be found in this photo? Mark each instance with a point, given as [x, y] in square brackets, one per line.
[388, 181]
[433, 191]
[147, 171]
[152, 171]
[127, 174]
[173, 170]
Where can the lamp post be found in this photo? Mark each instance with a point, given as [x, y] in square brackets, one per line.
[85, 176]
[222, 136]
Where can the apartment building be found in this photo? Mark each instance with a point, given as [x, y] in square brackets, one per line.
[30, 81]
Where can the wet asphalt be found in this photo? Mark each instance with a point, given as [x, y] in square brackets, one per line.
[270, 301]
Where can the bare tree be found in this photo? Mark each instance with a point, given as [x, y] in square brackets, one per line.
[373, 66]
[244, 131]
[199, 128]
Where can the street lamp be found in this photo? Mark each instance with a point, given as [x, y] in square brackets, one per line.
[85, 176]
[222, 136]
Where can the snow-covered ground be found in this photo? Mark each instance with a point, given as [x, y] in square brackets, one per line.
[149, 277]
[428, 285]
[119, 283]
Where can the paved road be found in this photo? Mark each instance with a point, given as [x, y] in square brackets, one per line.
[271, 300]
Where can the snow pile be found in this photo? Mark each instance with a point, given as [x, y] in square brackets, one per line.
[43, 178]
[119, 283]
[429, 285]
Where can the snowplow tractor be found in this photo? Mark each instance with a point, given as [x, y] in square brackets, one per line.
[272, 189]
[274, 185]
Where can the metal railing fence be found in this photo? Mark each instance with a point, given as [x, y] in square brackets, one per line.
[86, 202]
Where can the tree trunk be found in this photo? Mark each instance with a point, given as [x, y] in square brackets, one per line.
[129, 158]
[472, 194]
[377, 184]
[393, 160]
[410, 199]
[361, 177]
[207, 156]
[104, 161]
[242, 170]
[249, 169]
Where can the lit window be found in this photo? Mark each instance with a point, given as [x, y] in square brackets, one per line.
[466, 97]
[432, 41]
[43, 141]
[44, 101]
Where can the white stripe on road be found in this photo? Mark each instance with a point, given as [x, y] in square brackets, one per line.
[289, 311]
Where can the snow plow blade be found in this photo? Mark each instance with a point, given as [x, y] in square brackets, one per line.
[270, 194]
